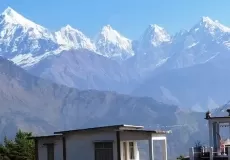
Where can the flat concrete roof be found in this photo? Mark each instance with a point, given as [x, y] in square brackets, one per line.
[122, 127]
[104, 128]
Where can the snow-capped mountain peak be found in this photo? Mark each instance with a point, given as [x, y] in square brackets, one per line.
[10, 12]
[68, 27]
[11, 16]
[73, 38]
[21, 38]
[155, 28]
[206, 19]
[107, 28]
[110, 35]
[154, 35]
[212, 26]
[111, 43]
[13, 21]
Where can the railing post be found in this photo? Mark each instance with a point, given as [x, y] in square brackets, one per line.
[211, 153]
[228, 153]
[191, 153]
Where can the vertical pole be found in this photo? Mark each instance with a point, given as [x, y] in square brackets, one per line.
[191, 153]
[214, 136]
[151, 154]
[210, 125]
[211, 153]
[36, 149]
[118, 145]
[228, 153]
[127, 151]
[218, 141]
[64, 147]
[122, 150]
[136, 151]
[229, 130]
[165, 149]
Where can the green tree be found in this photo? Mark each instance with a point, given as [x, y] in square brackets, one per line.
[181, 157]
[21, 148]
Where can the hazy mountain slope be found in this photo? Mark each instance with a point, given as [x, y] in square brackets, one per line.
[86, 70]
[200, 87]
[31, 103]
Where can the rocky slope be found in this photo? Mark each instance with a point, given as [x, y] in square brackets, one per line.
[86, 70]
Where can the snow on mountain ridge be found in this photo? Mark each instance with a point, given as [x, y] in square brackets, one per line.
[11, 16]
[155, 35]
[152, 39]
[26, 43]
[111, 43]
[12, 20]
[73, 38]
[113, 36]
[212, 26]
[21, 38]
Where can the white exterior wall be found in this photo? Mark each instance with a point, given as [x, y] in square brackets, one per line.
[132, 136]
[42, 149]
[81, 146]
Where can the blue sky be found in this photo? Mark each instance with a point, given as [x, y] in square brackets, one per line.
[129, 17]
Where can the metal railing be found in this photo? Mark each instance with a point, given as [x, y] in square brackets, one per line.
[208, 153]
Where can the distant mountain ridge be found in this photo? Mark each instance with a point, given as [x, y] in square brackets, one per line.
[112, 62]
[27, 43]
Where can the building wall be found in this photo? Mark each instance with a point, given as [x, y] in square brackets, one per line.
[81, 146]
[42, 150]
[130, 136]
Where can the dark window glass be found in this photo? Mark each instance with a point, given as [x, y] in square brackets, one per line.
[99, 145]
[108, 145]
[103, 151]
[50, 152]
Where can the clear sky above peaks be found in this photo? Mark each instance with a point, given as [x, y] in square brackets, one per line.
[129, 17]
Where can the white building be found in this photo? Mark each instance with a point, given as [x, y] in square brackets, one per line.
[117, 142]
[218, 147]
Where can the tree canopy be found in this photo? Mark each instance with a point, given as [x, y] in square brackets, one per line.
[21, 148]
[181, 157]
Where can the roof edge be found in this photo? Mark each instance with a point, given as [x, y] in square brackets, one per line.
[112, 127]
[48, 136]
